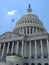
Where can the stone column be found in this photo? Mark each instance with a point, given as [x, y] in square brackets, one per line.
[33, 30]
[30, 49]
[22, 47]
[8, 47]
[41, 49]
[0, 46]
[17, 47]
[23, 30]
[0, 49]
[35, 50]
[3, 50]
[25, 49]
[36, 30]
[26, 30]
[12, 50]
[19, 30]
[48, 47]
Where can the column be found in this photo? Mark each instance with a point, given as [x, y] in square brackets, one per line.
[25, 49]
[33, 30]
[17, 47]
[30, 49]
[12, 50]
[48, 47]
[22, 47]
[8, 47]
[26, 30]
[36, 30]
[41, 49]
[23, 30]
[35, 49]
[19, 30]
[3, 50]
[0, 49]
[0, 46]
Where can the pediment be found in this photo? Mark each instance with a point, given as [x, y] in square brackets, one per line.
[8, 35]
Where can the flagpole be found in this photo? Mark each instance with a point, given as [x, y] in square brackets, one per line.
[11, 27]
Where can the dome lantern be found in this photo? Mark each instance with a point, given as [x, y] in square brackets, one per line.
[29, 10]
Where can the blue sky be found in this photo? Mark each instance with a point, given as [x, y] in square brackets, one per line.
[13, 9]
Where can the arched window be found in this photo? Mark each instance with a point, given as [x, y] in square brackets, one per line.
[46, 63]
[39, 63]
[32, 64]
[27, 64]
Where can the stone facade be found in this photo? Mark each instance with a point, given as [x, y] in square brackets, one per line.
[27, 44]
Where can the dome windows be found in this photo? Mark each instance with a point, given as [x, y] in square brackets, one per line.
[24, 30]
[31, 21]
[28, 30]
[28, 21]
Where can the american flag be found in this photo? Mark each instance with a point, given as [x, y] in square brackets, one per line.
[13, 20]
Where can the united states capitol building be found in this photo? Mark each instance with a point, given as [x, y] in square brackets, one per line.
[27, 44]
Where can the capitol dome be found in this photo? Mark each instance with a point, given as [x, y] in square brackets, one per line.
[29, 23]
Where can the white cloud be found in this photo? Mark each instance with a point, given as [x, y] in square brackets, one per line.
[12, 12]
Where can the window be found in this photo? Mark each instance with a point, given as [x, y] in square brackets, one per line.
[17, 64]
[27, 64]
[39, 63]
[32, 64]
[46, 56]
[32, 57]
[38, 57]
[24, 64]
[31, 21]
[28, 30]
[46, 63]
[35, 29]
[31, 30]
[25, 21]
[24, 30]
[28, 21]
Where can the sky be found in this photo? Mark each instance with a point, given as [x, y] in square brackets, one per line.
[14, 9]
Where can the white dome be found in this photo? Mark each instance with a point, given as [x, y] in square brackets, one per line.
[27, 21]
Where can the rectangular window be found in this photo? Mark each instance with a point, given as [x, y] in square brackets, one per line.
[24, 30]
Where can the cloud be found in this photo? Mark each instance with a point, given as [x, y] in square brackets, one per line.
[12, 12]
